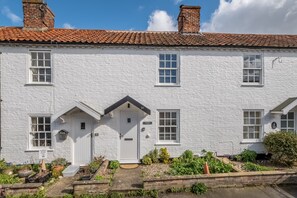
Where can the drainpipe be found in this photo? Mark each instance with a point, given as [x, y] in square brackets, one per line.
[0, 105]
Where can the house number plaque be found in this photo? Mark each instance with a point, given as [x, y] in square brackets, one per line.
[273, 125]
[147, 123]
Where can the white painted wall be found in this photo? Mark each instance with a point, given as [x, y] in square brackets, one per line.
[210, 98]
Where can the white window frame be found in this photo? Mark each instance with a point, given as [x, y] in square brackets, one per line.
[247, 74]
[249, 125]
[287, 120]
[177, 140]
[38, 68]
[177, 69]
[32, 132]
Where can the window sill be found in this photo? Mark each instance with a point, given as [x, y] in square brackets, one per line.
[252, 85]
[39, 84]
[250, 141]
[36, 150]
[167, 144]
[167, 85]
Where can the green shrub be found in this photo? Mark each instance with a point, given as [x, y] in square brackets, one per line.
[246, 156]
[35, 167]
[164, 155]
[3, 164]
[154, 155]
[94, 166]
[249, 166]
[99, 177]
[59, 162]
[282, 146]
[8, 179]
[188, 165]
[199, 188]
[187, 156]
[146, 160]
[115, 164]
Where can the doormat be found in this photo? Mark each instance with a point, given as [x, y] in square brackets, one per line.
[129, 166]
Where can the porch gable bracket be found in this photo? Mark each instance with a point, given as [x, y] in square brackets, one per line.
[285, 107]
[124, 100]
[80, 105]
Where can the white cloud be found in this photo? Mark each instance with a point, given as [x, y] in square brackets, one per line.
[9, 14]
[68, 26]
[140, 8]
[254, 16]
[177, 1]
[160, 21]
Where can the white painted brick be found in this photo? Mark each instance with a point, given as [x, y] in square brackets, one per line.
[210, 98]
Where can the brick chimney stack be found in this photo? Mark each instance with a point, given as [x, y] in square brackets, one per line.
[37, 15]
[189, 19]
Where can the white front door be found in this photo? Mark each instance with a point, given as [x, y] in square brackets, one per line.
[129, 137]
[82, 129]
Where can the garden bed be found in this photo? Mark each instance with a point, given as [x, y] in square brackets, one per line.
[99, 182]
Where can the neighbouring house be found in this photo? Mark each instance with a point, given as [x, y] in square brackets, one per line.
[84, 93]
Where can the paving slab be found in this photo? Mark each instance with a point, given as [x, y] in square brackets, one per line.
[248, 192]
[127, 180]
[62, 187]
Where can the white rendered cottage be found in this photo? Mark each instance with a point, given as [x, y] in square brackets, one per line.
[85, 93]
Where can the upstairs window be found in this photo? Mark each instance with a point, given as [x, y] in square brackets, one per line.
[168, 69]
[41, 67]
[252, 69]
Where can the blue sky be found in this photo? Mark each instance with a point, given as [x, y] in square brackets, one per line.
[107, 14]
[234, 16]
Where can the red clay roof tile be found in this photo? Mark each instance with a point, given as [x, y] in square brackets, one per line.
[104, 37]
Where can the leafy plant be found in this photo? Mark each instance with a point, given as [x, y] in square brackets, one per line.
[99, 177]
[249, 166]
[35, 167]
[188, 165]
[154, 155]
[146, 160]
[115, 164]
[94, 165]
[164, 155]
[247, 156]
[199, 188]
[9, 179]
[59, 162]
[3, 164]
[282, 146]
[187, 156]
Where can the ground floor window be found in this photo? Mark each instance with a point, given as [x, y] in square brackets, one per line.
[168, 125]
[252, 124]
[288, 122]
[41, 131]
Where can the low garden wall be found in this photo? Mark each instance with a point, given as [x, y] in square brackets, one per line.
[18, 189]
[93, 186]
[90, 187]
[221, 180]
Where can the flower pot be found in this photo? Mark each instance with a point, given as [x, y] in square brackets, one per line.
[8, 171]
[24, 173]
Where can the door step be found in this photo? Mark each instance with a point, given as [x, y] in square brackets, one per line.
[70, 171]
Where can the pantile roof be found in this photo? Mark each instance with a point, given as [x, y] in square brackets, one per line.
[145, 38]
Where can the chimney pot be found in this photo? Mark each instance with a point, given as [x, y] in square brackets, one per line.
[189, 19]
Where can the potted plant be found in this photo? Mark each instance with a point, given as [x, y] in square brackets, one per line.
[58, 165]
[24, 171]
